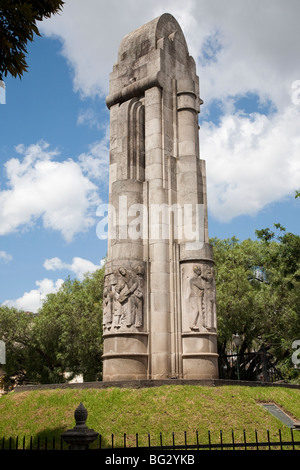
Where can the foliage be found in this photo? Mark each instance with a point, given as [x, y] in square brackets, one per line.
[258, 293]
[283, 270]
[63, 338]
[70, 323]
[239, 289]
[18, 25]
[15, 331]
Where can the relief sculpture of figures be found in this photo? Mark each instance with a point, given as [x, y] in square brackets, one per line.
[196, 299]
[120, 300]
[136, 307]
[123, 299]
[131, 296]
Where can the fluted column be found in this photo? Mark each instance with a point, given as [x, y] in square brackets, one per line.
[159, 299]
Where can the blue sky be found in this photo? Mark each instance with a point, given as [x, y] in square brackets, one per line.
[54, 131]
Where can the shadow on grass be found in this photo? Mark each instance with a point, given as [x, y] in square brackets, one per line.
[48, 439]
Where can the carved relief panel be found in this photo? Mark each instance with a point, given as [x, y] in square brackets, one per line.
[123, 299]
[198, 297]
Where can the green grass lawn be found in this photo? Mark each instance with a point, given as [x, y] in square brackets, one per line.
[164, 409]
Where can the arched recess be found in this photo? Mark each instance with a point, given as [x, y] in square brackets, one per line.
[136, 140]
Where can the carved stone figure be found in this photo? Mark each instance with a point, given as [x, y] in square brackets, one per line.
[196, 299]
[120, 298]
[210, 304]
[107, 304]
[123, 298]
[136, 311]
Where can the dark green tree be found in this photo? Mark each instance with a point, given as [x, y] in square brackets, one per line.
[18, 25]
[282, 312]
[69, 328]
[16, 332]
[258, 294]
[63, 340]
[241, 291]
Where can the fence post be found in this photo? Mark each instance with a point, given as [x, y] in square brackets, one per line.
[80, 436]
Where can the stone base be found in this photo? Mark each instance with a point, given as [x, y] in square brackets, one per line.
[125, 356]
[125, 367]
[199, 355]
[200, 366]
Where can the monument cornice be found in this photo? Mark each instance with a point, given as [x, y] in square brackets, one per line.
[135, 89]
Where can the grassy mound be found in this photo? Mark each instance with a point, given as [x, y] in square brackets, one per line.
[165, 409]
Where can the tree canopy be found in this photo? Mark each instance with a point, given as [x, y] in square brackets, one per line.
[258, 294]
[63, 340]
[18, 25]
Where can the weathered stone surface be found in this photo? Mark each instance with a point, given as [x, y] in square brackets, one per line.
[159, 297]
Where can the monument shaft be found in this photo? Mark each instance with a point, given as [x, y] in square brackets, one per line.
[159, 307]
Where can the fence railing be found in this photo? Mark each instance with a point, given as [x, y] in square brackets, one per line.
[252, 366]
[268, 443]
[194, 443]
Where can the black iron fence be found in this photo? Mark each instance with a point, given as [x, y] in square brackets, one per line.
[237, 441]
[253, 366]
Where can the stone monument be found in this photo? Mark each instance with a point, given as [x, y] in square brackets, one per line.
[159, 306]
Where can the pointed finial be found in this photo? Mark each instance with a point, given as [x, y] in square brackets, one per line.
[80, 415]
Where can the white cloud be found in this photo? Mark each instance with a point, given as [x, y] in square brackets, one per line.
[79, 266]
[5, 257]
[89, 118]
[95, 163]
[91, 34]
[38, 186]
[257, 42]
[259, 46]
[31, 301]
[251, 161]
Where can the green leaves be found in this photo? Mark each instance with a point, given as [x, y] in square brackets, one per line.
[239, 275]
[73, 316]
[17, 27]
[258, 291]
[63, 339]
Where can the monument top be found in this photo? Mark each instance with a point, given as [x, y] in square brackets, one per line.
[147, 56]
[144, 39]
